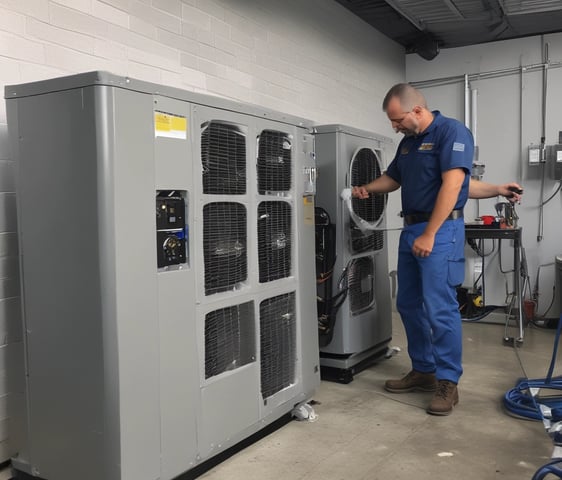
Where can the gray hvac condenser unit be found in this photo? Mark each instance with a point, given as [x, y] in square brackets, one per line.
[355, 324]
[167, 259]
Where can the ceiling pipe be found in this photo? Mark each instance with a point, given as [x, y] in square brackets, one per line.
[480, 76]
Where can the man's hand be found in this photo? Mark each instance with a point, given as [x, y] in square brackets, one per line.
[359, 192]
[423, 245]
[512, 191]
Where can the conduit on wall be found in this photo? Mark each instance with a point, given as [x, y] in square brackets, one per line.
[543, 146]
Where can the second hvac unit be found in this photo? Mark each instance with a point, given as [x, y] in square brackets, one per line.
[167, 245]
[355, 324]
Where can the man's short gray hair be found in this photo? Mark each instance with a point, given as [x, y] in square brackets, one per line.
[409, 97]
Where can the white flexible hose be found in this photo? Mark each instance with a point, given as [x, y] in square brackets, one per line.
[363, 225]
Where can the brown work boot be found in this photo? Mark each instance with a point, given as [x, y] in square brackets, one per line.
[445, 398]
[413, 381]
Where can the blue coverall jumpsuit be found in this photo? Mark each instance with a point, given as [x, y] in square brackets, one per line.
[426, 298]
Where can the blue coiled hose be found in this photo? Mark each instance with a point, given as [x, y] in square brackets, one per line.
[552, 468]
[520, 401]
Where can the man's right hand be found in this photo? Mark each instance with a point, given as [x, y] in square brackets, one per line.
[359, 192]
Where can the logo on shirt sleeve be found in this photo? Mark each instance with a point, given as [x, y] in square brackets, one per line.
[458, 147]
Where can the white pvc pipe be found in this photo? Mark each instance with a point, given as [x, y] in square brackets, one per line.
[474, 114]
[466, 102]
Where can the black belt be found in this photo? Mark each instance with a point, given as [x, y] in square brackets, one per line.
[412, 218]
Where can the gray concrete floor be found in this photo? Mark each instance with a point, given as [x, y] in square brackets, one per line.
[365, 433]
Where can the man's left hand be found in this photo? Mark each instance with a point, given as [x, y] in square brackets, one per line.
[507, 191]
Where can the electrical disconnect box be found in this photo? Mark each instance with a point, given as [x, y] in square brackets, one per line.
[554, 161]
[534, 155]
[171, 233]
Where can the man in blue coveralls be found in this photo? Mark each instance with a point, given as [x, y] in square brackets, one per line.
[432, 165]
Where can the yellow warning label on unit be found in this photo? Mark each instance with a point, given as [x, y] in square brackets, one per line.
[169, 125]
[308, 201]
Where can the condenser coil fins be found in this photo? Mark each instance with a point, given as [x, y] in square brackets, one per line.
[229, 338]
[274, 240]
[274, 162]
[364, 168]
[277, 341]
[360, 279]
[224, 246]
[223, 158]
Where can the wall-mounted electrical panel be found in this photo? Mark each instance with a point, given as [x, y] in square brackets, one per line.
[554, 161]
[534, 153]
[355, 323]
[170, 308]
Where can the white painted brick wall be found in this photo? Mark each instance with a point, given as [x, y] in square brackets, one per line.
[309, 58]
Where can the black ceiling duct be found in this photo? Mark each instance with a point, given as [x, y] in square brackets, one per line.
[426, 47]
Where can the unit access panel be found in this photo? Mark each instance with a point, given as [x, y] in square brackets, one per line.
[171, 232]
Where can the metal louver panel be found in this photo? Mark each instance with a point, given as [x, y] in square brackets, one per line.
[223, 158]
[278, 343]
[274, 162]
[366, 241]
[224, 246]
[360, 281]
[274, 240]
[229, 338]
[364, 168]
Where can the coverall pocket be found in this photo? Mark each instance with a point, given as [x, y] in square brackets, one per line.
[455, 272]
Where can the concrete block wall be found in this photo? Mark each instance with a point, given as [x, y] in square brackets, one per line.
[308, 58]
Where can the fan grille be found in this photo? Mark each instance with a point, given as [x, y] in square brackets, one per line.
[365, 167]
[366, 242]
[224, 246]
[274, 240]
[229, 338]
[223, 158]
[278, 343]
[361, 294]
[274, 162]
